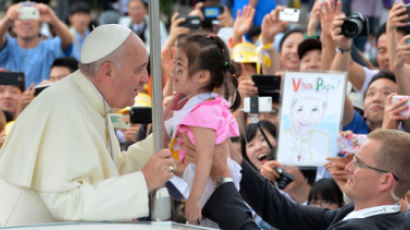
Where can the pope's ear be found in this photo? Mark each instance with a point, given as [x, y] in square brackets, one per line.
[106, 72]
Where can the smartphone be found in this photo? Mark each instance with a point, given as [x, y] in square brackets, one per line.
[407, 6]
[38, 89]
[12, 78]
[140, 115]
[397, 99]
[29, 13]
[191, 22]
[289, 15]
[212, 12]
[268, 85]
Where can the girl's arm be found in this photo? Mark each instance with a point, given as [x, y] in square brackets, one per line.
[204, 146]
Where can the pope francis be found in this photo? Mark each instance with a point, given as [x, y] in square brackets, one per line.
[62, 161]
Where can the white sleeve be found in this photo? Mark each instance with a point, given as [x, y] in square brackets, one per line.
[369, 73]
[136, 156]
[117, 198]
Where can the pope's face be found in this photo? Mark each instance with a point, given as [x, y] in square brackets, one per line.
[305, 114]
[130, 72]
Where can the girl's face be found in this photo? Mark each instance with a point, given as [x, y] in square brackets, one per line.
[181, 81]
[257, 149]
[289, 58]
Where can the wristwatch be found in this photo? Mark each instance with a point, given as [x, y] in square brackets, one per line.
[221, 180]
[340, 50]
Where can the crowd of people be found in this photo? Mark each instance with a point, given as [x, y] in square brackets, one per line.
[65, 154]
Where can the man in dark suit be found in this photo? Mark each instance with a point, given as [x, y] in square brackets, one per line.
[378, 176]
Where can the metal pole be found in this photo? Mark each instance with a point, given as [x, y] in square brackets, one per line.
[155, 58]
[160, 199]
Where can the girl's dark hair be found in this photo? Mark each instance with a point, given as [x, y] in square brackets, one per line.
[250, 133]
[326, 189]
[209, 52]
[286, 35]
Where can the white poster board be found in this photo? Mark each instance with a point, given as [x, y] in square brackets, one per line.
[310, 119]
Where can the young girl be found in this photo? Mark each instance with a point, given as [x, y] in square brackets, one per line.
[201, 66]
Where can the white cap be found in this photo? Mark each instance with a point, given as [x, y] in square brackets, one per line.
[102, 41]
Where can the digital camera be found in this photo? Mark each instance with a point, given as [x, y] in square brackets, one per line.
[191, 22]
[29, 13]
[355, 25]
[284, 178]
[289, 15]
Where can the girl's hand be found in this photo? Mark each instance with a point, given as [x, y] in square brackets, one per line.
[193, 211]
[392, 112]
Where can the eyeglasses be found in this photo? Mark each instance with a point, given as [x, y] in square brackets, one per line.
[359, 163]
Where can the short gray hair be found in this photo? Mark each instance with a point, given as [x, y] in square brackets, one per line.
[394, 156]
[91, 69]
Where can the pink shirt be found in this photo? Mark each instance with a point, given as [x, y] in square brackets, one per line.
[213, 114]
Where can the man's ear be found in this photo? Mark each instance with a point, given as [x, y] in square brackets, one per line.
[386, 182]
[106, 72]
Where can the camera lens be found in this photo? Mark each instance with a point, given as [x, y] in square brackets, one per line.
[352, 27]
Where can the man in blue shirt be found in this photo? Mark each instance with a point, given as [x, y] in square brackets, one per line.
[28, 52]
[381, 85]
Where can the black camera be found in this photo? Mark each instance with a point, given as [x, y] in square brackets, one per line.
[355, 25]
[268, 85]
[284, 178]
[140, 115]
[191, 22]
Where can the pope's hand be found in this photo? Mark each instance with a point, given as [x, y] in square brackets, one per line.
[159, 169]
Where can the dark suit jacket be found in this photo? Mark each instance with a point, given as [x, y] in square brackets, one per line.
[226, 208]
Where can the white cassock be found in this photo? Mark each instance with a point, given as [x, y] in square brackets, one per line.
[56, 163]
